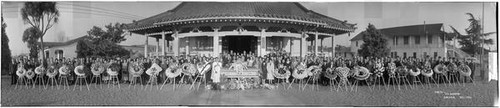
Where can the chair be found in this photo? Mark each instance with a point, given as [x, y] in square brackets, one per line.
[80, 75]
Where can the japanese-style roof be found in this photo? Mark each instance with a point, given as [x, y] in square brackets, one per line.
[407, 30]
[285, 11]
[69, 42]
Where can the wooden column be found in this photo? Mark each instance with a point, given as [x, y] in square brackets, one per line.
[290, 45]
[187, 46]
[316, 43]
[176, 43]
[333, 46]
[303, 45]
[263, 41]
[157, 46]
[146, 46]
[215, 42]
[163, 51]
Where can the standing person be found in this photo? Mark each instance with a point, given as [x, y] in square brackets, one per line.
[125, 72]
[13, 70]
[215, 75]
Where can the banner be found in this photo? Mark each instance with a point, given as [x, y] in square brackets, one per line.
[493, 66]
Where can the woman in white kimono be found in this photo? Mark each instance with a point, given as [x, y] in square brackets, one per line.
[216, 66]
[270, 71]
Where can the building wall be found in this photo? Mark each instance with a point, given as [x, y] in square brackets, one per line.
[69, 51]
[398, 47]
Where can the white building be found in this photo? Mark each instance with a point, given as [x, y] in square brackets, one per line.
[412, 41]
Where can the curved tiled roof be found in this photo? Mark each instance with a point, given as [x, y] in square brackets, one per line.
[406, 30]
[213, 10]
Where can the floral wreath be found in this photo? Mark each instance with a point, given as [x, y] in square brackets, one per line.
[282, 73]
[464, 70]
[40, 70]
[361, 73]
[30, 74]
[440, 69]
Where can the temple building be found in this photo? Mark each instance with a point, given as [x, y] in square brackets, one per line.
[211, 28]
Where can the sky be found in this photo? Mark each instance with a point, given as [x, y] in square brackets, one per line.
[77, 17]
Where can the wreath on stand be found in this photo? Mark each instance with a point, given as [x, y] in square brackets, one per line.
[464, 70]
[361, 73]
[52, 71]
[282, 73]
[427, 70]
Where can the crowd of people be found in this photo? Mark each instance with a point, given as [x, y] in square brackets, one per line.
[272, 67]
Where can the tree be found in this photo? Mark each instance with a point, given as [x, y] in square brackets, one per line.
[31, 36]
[6, 54]
[113, 33]
[103, 43]
[374, 45]
[41, 16]
[100, 48]
[471, 43]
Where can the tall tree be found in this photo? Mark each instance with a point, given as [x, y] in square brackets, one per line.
[103, 43]
[114, 33]
[6, 54]
[31, 36]
[374, 45]
[41, 16]
[471, 43]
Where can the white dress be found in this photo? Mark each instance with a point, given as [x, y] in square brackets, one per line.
[270, 71]
[216, 66]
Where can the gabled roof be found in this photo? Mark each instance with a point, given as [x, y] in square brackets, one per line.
[277, 10]
[407, 30]
[69, 42]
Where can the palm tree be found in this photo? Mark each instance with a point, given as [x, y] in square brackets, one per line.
[471, 43]
[41, 16]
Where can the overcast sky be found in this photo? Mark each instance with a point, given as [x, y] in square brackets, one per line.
[78, 17]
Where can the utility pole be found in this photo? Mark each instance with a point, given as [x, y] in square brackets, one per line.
[485, 74]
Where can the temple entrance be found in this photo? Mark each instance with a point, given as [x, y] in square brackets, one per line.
[239, 44]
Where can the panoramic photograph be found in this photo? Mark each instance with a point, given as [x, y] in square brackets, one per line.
[249, 53]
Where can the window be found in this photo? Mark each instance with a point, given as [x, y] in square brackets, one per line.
[429, 39]
[417, 39]
[404, 55]
[356, 43]
[435, 54]
[415, 54]
[395, 40]
[396, 54]
[405, 40]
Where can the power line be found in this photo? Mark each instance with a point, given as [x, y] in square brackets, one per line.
[92, 11]
[101, 9]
